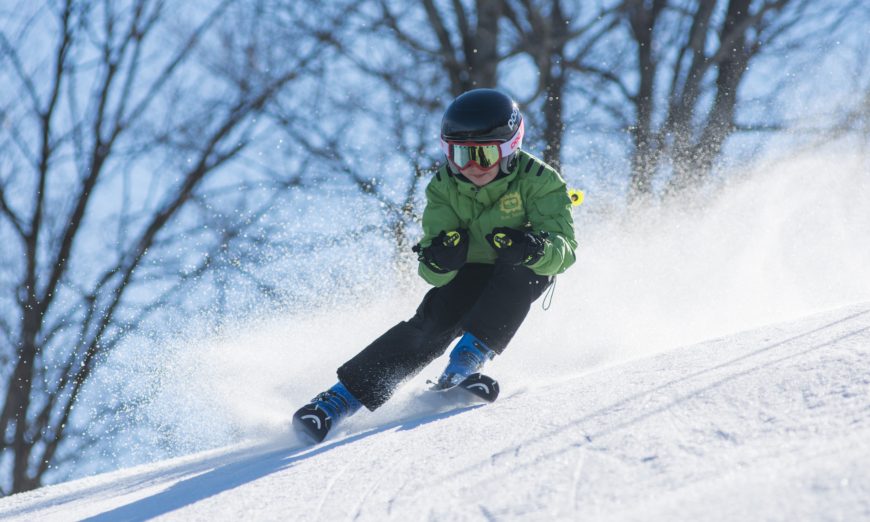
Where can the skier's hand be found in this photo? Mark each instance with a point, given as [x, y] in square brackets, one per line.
[517, 247]
[447, 253]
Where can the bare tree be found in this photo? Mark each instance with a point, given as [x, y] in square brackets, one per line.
[667, 72]
[468, 52]
[415, 73]
[110, 139]
[408, 82]
[557, 35]
[395, 104]
[465, 43]
[682, 84]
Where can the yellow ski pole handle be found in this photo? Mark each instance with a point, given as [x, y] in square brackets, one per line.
[576, 196]
[452, 239]
[501, 240]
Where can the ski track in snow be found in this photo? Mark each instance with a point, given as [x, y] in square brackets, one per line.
[768, 424]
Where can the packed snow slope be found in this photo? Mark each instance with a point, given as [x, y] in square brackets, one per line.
[769, 424]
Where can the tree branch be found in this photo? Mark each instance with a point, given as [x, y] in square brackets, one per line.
[13, 219]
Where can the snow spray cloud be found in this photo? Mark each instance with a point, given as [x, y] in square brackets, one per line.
[202, 379]
[246, 382]
[785, 241]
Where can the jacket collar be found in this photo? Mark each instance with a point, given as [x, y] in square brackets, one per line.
[489, 193]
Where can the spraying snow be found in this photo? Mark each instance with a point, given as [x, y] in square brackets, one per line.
[789, 240]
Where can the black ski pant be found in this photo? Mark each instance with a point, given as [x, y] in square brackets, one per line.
[489, 301]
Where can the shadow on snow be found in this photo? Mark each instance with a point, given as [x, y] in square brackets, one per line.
[248, 469]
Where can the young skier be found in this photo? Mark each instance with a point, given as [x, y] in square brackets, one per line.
[497, 228]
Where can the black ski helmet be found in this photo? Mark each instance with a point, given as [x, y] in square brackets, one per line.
[484, 115]
[481, 115]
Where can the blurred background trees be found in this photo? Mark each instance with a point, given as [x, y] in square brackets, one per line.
[161, 158]
[118, 127]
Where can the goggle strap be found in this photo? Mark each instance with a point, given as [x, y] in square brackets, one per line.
[512, 145]
[445, 147]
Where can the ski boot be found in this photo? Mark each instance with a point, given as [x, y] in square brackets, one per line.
[467, 358]
[315, 419]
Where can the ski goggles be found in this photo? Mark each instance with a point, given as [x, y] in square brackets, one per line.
[483, 154]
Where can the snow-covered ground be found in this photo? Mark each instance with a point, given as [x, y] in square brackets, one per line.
[767, 424]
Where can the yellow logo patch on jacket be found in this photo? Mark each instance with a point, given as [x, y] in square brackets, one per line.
[511, 204]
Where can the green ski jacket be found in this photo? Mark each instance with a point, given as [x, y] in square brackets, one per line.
[533, 197]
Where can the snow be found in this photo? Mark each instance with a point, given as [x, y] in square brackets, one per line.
[771, 423]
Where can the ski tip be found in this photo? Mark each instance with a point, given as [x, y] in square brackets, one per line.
[483, 386]
[312, 424]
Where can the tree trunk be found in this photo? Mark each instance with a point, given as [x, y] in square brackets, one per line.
[693, 161]
[483, 55]
[645, 157]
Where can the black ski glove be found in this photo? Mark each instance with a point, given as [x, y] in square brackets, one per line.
[517, 247]
[447, 253]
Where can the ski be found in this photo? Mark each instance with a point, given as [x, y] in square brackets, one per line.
[312, 423]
